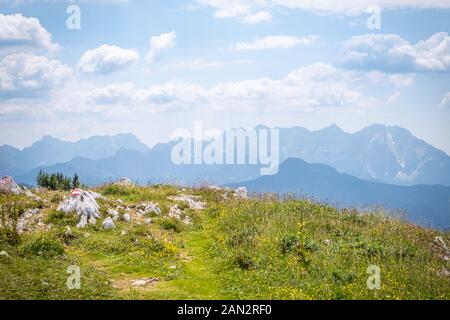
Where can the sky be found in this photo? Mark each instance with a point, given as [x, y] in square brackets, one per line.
[73, 69]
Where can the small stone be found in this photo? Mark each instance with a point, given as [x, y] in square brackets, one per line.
[172, 267]
[123, 233]
[113, 214]
[148, 221]
[327, 242]
[108, 224]
[126, 217]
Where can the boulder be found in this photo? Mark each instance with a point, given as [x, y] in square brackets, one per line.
[84, 204]
[108, 224]
[8, 185]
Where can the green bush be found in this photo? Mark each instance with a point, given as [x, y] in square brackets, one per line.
[170, 224]
[60, 218]
[44, 246]
[290, 243]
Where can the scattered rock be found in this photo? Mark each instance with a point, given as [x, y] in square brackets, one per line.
[327, 242]
[123, 233]
[126, 217]
[28, 218]
[31, 195]
[175, 212]
[144, 282]
[108, 224]
[119, 201]
[8, 185]
[113, 214]
[193, 202]
[82, 203]
[148, 221]
[152, 208]
[172, 267]
[241, 193]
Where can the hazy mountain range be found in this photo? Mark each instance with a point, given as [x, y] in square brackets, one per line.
[424, 204]
[371, 166]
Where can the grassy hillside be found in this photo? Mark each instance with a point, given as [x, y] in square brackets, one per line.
[232, 249]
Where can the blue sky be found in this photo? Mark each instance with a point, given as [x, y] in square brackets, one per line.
[228, 63]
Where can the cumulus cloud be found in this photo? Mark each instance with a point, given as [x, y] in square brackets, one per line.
[391, 53]
[248, 11]
[106, 59]
[274, 42]
[19, 33]
[25, 75]
[159, 44]
[244, 8]
[258, 17]
[314, 86]
[445, 102]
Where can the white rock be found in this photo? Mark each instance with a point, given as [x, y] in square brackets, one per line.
[108, 224]
[83, 203]
[148, 221]
[327, 242]
[241, 193]
[193, 202]
[139, 283]
[175, 212]
[92, 221]
[8, 185]
[83, 222]
[113, 214]
[152, 208]
[126, 217]
[143, 282]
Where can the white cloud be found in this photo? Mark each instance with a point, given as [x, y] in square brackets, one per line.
[314, 86]
[445, 102]
[159, 44]
[197, 64]
[106, 59]
[25, 75]
[274, 42]
[244, 8]
[19, 33]
[258, 17]
[391, 53]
